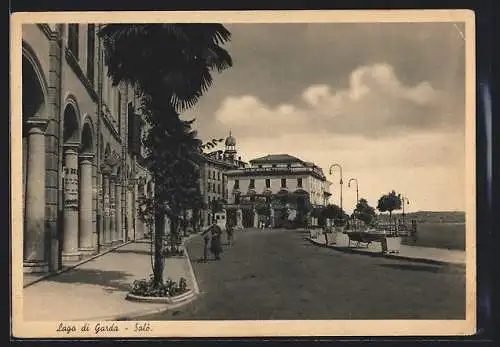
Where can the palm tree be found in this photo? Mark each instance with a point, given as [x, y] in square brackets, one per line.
[170, 65]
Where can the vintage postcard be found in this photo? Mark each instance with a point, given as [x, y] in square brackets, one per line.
[237, 174]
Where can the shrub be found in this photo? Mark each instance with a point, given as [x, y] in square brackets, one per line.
[169, 288]
[173, 251]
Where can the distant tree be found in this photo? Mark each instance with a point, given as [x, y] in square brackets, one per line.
[217, 205]
[263, 209]
[364, 212]
[304, 207]
[389, 202]
[334, 213]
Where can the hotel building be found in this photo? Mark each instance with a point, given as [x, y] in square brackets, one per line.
[280, 180]
[213, 179]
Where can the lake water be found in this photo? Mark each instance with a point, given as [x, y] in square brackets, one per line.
[438, 235]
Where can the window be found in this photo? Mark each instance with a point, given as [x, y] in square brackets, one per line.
[214, 175]
[283, 183]
[73, 39]
[268, 183]
[218, 188]
[218, 176]
[299, 182]
[260, 166]
[90, 52]
[274, 165]
[252, 184]
[236, 184]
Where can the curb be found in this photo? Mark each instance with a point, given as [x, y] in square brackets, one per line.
[56, 273]
[196, 288]
[389, 256]
[195, 292]
[141, 313]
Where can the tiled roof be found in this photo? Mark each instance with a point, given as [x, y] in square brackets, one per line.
[276, 158]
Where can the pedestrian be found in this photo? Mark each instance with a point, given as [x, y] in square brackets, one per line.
[206, 241]
[215, 242]
[230, 232]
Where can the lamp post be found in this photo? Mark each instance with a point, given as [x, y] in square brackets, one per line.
[341, 182]
[357, 191]
[404, 200]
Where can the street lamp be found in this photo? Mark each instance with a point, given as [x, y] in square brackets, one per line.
[357, 191]
[341, 182]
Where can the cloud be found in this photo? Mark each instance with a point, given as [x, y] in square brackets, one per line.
[375, 103]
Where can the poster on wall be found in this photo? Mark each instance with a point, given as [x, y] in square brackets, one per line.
[70, 188]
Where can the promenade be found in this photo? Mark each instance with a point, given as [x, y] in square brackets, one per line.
[413, 253]
[97, 289]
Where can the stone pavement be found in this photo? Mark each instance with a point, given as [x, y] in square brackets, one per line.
[423, 254]
[96, 290]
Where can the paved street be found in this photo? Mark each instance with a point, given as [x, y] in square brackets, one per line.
[279, 275]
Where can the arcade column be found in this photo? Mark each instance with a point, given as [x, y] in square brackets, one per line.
[34, 230]
[86, 239]
[70, 250]
[255, 219]
[118, 211]
[130, 208]
[106, 239]
[112, 207]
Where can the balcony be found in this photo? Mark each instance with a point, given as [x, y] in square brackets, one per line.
[277, 170]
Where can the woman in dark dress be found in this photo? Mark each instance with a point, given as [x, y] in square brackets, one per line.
[230, 231]
[215, 243]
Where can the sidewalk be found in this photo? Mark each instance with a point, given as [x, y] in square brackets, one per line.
[96, 290]
[412, 253]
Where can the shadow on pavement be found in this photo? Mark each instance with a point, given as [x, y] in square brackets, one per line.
[112, 280]
[131, 251]
[420, 267]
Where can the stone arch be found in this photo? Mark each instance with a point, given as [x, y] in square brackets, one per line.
[87, 136]
[34, 84]
[71, 120]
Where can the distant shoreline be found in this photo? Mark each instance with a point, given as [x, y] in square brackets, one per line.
[456, 217]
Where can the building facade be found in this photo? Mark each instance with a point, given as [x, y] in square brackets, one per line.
[281, 181]
[213, 179]
[81, 149]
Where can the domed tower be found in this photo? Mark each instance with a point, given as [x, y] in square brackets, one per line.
[230, 152]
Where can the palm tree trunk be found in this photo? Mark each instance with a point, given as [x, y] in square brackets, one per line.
[159, 264]
[185, 222]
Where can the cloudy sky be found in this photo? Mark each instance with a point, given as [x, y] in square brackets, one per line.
[385, 101]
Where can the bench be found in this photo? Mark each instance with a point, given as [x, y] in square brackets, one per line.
[367, 238]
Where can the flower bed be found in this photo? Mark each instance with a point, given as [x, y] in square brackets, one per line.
[168, 290]
[173, 251]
